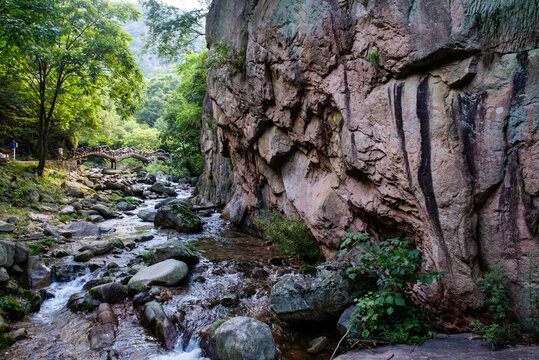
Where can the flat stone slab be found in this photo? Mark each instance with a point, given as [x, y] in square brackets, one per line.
[453, 347]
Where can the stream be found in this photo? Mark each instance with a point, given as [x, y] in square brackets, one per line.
[231, 263]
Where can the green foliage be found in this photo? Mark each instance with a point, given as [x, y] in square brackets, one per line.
[155, 166]
[495, 297]
[82, 58]
[68, 217]
[291, 236]
[224, 55]
[37, 248]
[5, 340]
[15, 188]
[190, 246]
[11, 308]
[172, 31]
[146, 255]
[530, 293]
[373, 57]
[388, 311]
[180, 122]
[87, 306]
[158, 86]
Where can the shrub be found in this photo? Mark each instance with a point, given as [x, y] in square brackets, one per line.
[5, 340]
[11, 308]
[387, 312]
[495, 297]
[155, 166]
[291, 236]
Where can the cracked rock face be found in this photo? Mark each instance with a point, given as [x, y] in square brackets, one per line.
[394, 117]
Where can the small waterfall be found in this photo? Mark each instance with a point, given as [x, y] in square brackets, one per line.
[62, 292]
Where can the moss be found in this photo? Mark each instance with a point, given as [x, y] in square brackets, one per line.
[148, 254]
[88, 306]
[5, 340]
[94, 293]
[214, 326]
[502, 20]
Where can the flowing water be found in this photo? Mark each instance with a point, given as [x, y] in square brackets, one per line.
[233, 264]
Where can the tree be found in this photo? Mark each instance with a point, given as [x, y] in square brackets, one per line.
[171, 30]
[180, 123]
[77, 55]
[158, 85]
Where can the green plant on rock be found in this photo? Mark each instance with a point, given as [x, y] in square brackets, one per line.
[68, 217]
[5, 340]
[224, 55]
[37, 247]
[146, 255]
[501, 331]
[387, 311]
[530, 293]
[11, 308]
[373, 57]
[291, 236]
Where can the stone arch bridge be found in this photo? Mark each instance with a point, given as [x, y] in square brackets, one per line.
[115, 155]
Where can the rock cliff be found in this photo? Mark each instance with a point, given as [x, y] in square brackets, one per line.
[396, 117]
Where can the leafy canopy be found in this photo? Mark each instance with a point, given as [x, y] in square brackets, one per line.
[171, 30]
[76, 55]
[180, 122]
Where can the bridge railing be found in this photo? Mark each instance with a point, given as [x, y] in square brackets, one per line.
[116, 154]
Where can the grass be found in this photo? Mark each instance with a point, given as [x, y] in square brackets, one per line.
[146, 255]
[37, 247]
[16, 187]
[68, 217]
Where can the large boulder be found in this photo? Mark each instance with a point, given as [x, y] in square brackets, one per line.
[305, 298]
[179, 218]
[171, 201]
[161, 188]
[147, 215]
[125, 206]
[4, 276]
[76, 193]
[105, 211]
[169, 272]
[103, 334]
[7, 253]
[99, 247]
[38, 275]
[111, 293]
[6, 227]
[21, 253]
[159, 324]
[243, 338]
[85, 228]
[68, 272]
[82, 301]
[134, 190]
[174, 249]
